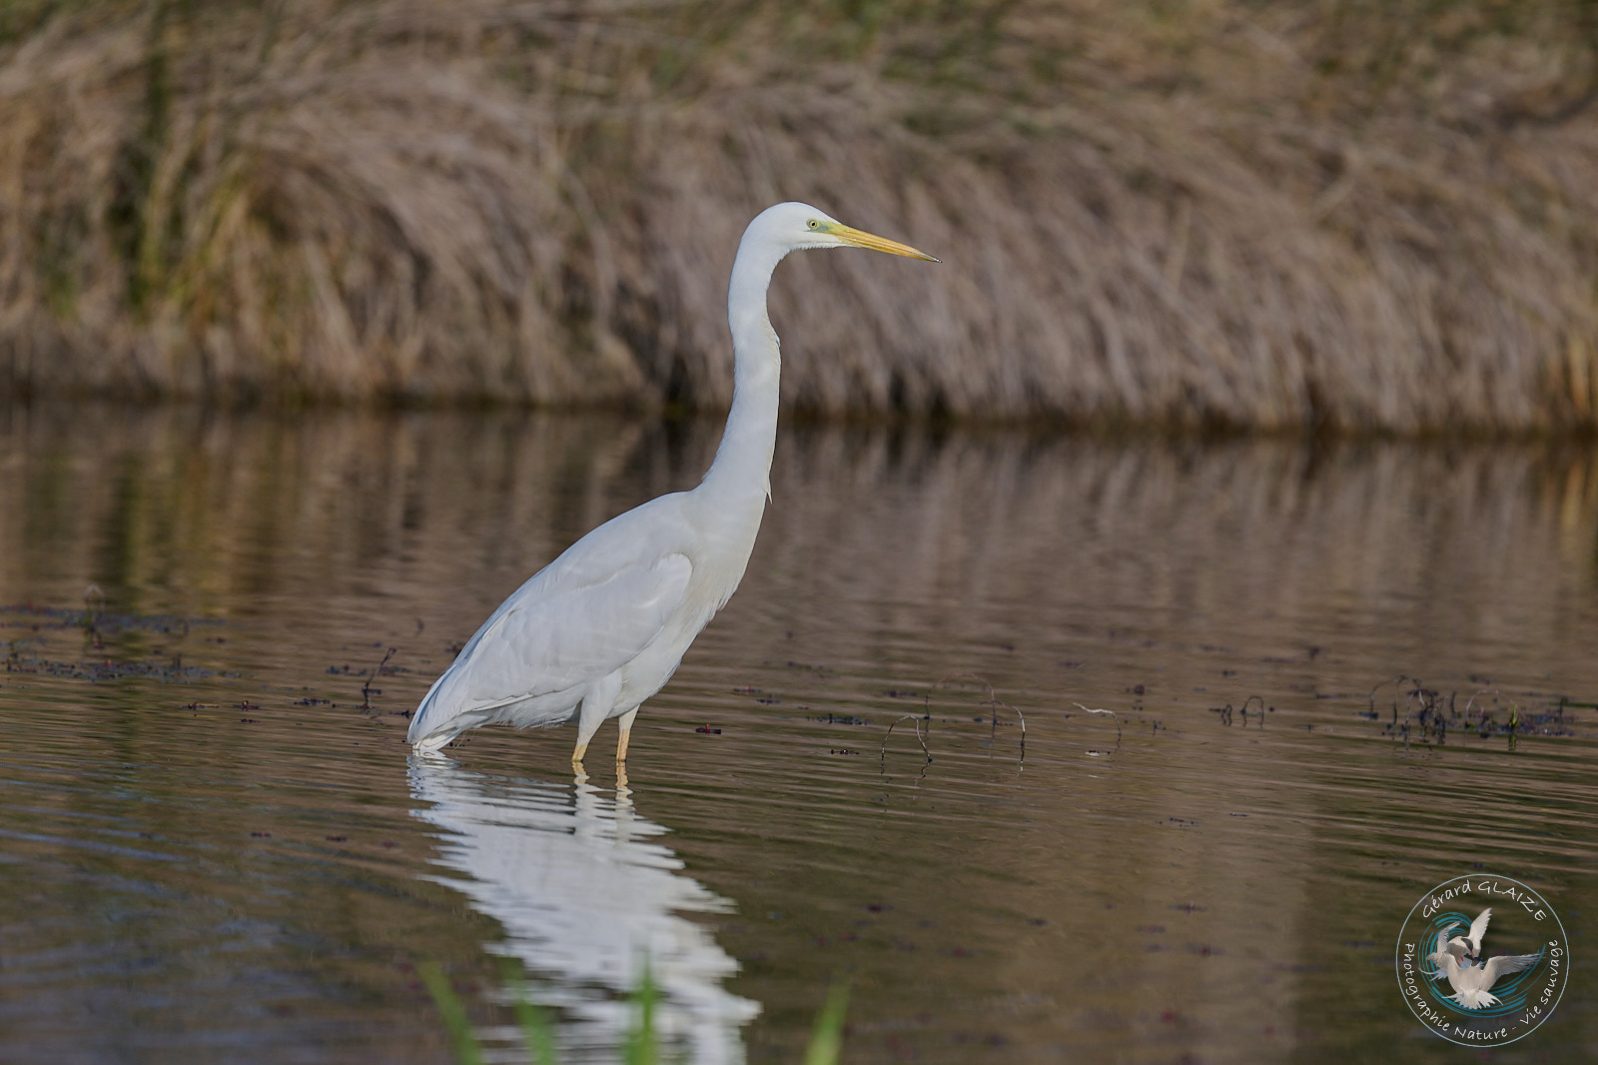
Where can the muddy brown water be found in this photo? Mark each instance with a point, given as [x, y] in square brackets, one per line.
[214, 847]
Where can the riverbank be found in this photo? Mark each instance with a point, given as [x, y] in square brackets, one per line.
[1343, 216]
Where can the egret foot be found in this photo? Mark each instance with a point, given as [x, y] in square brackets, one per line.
[577, 756]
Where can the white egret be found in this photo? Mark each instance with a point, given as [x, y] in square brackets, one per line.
[605, 625]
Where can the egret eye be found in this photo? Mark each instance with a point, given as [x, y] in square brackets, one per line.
[814, 224]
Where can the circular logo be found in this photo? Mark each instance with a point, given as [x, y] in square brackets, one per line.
[1482, 960]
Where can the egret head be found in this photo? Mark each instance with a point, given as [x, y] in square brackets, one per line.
[798, 226]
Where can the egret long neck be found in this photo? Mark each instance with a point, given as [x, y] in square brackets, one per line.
[742, 469]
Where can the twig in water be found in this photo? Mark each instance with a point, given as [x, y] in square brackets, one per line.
[994, 702]
[914, 719]
[1401, 678]
[1101, 710]
[1472, 699]
[366, 685]
[1228, 710]
[1022, 719]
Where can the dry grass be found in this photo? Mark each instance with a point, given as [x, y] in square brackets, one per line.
[1354, 214]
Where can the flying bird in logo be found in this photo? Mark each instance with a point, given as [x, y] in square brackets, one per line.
[1467, 949]
[1459, 959]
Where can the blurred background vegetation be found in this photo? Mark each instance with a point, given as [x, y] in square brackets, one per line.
[1367, 214]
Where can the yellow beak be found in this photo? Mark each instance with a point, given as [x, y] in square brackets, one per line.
[861, 239]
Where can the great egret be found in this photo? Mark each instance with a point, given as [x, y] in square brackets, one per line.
[605, 625]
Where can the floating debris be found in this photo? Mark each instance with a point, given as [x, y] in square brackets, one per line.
[1428, 716]
[914, 719]
[33, 616]
[1226, 712]
[367, 691]
[1101, 711]
[994, 704]
[98, 671]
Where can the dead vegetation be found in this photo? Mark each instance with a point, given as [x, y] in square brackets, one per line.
[1421, 714]
[1370, 215]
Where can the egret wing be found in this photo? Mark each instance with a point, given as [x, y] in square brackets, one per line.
[557, 635]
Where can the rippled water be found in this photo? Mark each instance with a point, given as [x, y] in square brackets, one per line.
[213, 845]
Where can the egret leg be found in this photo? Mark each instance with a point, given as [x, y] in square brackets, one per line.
[625, 723]
[596, 707]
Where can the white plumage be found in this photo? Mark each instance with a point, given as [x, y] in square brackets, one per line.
[604, 626]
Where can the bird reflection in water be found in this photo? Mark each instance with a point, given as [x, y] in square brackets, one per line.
[586, 892]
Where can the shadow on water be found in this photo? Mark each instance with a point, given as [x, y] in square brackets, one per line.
[586, 892]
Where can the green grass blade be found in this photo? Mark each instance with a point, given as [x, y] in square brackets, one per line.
[538, 1034]
[467, 1052]
[826, 1040]
[643, 1044]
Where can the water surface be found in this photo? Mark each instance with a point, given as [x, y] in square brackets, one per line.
[214, 846]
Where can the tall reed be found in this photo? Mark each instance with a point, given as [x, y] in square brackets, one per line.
[1357, 214]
